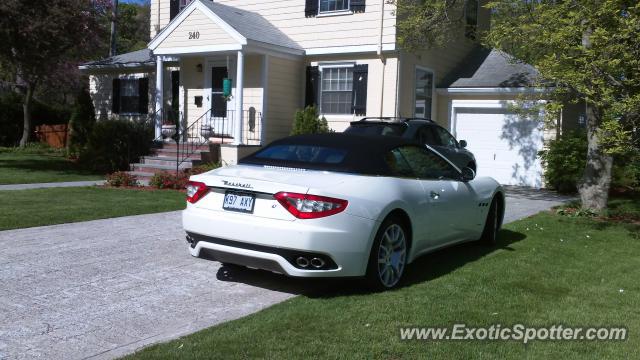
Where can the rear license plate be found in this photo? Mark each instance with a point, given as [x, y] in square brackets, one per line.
[238, 201]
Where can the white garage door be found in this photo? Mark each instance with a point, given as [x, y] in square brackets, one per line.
[505, 145]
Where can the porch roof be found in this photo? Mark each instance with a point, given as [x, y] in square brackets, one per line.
[246, 27]
[140, 58]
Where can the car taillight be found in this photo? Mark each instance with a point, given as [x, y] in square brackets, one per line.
[305, 206]
[195, 191]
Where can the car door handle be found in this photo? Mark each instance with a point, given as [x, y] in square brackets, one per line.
[435, 195]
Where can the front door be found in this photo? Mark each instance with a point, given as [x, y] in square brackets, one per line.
[218, 101]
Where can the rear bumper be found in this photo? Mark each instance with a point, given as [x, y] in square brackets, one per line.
[272, 244]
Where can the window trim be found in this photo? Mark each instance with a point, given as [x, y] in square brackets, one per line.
[346, 11]
[433, 89]
[321, 67]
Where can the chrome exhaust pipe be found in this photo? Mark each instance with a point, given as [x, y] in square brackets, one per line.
[317, 263]
[303, 262]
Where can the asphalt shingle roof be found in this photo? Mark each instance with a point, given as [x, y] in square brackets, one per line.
[251, 25]
[490, 68]
[141, 57]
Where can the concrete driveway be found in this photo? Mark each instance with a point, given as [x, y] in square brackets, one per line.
[104, 288]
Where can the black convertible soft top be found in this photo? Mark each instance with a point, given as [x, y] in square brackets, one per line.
[362, 154]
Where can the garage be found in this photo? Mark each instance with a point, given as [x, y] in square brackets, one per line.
[477, 96]
[505, 145]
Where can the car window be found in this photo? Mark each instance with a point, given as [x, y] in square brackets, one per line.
[425, 135]
[302, 154]
[426, 164]
[446, 139]
[398, 164]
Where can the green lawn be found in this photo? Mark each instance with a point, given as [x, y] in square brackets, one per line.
[547, 270]
[26, 167]
[27, 208]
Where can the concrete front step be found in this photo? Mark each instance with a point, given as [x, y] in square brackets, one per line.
[158, 168]
[167, 146]
[172, 153]
[162, 160]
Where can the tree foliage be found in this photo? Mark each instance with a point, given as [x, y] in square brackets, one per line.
[41, 37]
[590, 50]
[133, 26]
[427, 24]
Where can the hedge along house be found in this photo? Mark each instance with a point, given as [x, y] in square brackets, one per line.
[235, 72]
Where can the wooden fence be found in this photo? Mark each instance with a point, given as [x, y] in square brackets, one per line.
[56, 136]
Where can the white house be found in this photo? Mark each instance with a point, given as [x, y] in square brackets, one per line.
[342, 55]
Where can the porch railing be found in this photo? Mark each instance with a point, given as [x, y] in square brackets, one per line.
[218, 129]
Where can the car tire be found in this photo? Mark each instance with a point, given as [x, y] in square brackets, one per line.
[491, 225]
[388, 258]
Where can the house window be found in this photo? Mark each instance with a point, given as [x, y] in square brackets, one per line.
[129, 96]
[423, 93]
[471, 19]
[333, 5]
[336, 90]
[184, 3]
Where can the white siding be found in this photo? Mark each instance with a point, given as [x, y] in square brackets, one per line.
[101, 90]
[285, 96]
[375, 85]
[314, 32]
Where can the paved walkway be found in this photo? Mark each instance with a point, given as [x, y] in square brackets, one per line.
[104, 288]
[51, 185]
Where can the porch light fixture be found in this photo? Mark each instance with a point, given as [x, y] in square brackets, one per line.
[199, 68]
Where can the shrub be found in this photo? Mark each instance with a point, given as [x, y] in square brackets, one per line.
[203, 168]
[307, 122]
[83, 118]
[114, 144]
[165, 180]
[626, 171]
[121, 178]
[564, 161]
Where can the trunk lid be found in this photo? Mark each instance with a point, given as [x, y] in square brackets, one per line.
[261, 182]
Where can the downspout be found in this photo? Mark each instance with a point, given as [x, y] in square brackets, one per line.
[397, 105]
[381, 56]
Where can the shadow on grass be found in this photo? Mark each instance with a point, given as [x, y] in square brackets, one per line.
[50, 163]
[425, 268]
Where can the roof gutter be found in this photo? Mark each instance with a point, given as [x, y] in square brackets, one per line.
[491, 90]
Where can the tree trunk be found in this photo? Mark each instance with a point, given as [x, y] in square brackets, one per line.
[596, 180]
[26, 111]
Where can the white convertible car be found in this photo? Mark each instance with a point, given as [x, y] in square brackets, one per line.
[339, 205]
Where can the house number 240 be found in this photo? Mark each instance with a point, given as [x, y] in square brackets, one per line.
[194, 35]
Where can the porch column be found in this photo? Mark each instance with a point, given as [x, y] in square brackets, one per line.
[237, 126]
[159, 95]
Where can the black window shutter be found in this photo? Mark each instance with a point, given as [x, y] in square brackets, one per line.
[311, 8]
[313, 86]
[359, 92]
[174, 9]
[143, 96]
[358, 5]
[115, 97]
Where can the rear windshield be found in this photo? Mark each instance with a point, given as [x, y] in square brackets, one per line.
[303, 154]
[377, 129]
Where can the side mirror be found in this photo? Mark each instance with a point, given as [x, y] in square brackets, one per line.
[468, 174]
[463, 143]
